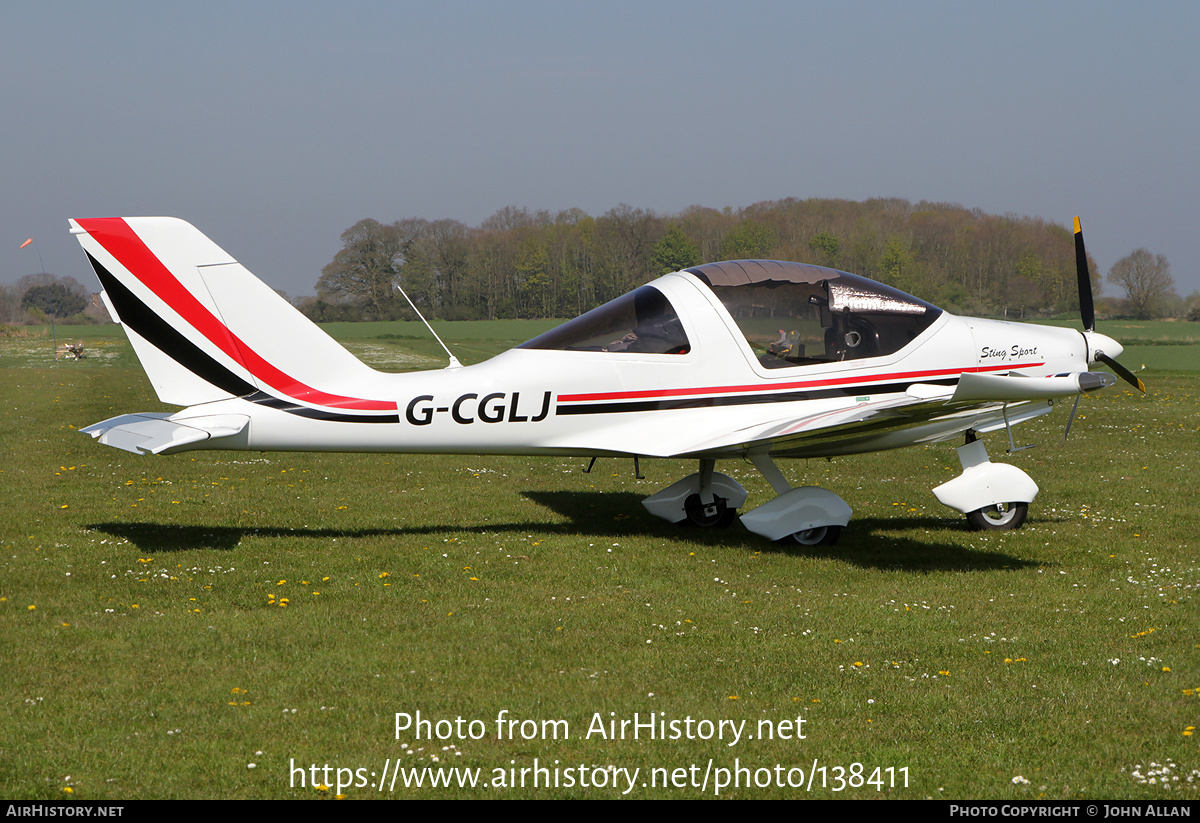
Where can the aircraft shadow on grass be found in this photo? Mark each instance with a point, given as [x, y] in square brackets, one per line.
[870, 544]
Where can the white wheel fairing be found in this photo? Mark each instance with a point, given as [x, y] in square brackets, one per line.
[671, 504]
[798, 510]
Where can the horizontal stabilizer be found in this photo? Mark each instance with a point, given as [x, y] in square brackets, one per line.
[156, 433]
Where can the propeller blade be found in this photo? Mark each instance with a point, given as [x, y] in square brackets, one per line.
[1086, 306]
[1122, 372]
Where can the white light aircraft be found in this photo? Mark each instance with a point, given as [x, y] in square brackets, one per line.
[750, 359]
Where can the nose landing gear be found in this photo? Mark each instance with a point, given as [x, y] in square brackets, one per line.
[993, 496]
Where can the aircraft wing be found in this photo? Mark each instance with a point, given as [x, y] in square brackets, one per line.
[925, 413]
[808, 430]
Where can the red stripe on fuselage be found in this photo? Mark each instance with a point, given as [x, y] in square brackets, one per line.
[123, 243]
[774, 387]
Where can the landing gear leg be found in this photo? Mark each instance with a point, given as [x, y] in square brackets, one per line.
[707, 509]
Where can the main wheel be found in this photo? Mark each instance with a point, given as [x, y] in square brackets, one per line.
[714, 515]
[820, 536]
[1001, 517]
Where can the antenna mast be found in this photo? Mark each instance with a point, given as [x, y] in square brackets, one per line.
[454, 364]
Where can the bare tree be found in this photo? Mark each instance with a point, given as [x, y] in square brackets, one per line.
[1146, 279]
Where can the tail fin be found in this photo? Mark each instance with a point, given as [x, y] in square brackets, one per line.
[205, 329]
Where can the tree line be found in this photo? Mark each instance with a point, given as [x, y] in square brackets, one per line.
[523, 263]
[37, 297]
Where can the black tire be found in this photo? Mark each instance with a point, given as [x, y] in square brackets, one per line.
[1001, 517]
[718, 516]
[820, 536]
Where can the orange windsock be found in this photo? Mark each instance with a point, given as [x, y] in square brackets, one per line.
[27, 242]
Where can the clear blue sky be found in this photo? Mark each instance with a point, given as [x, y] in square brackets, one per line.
[274, 126]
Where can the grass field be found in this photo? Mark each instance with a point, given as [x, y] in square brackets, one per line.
[201, 626]
[1158, 345]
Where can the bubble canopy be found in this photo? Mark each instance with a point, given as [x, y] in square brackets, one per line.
[796, 314]
[791, 314]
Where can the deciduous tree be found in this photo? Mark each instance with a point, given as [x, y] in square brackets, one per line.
[1146, 279]
[365, 268]
[674, 252]
[826, 248]
[749, 241]
[53, 299]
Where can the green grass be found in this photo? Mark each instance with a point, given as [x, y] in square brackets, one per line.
[503, 331]
[66, 332]
[158, 661]
[1159, 358]
[1149, 331]
[1151, 345]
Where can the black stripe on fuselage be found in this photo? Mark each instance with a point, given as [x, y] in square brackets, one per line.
[744, 399]
[270, 401]
[166, 338]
